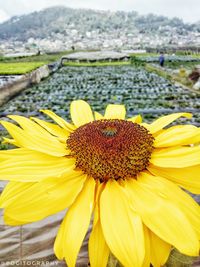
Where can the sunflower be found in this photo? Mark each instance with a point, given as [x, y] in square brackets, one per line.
[128, 177]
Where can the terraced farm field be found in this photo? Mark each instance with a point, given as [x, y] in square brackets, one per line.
[142, 92]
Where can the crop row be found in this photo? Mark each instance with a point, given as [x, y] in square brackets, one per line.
[169, 58]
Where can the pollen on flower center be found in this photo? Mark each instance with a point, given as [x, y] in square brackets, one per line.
[111, 149]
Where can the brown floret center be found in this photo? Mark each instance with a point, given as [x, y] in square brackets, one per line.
[111, 149]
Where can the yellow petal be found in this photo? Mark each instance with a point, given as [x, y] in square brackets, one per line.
[188, 178]
[52, 128]
[146, 125]
[75, 225]
[98, 249]
[146, 262]
[49, 145]
[29, 166]
[12, 222]
[30, 126]
[163, 218]
[178, 157]
[41, 199]
[170, 191]
[98, 191]
[115, 112]
[81, 112]
[160, 123]
[9, 141]
[159, 251]
[98, 116]
[60, 121]
[136, 119]
[178, 135]
[6, 154]
[13, 190]
[122, 228]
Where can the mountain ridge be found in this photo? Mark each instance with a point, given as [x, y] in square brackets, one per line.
[57, 19]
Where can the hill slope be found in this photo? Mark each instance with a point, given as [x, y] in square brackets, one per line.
[58, 20]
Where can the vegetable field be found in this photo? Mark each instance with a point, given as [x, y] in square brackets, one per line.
[141, 91]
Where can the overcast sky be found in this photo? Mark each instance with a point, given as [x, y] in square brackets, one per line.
[188, 10]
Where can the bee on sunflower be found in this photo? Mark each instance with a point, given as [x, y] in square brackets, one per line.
[127, 175]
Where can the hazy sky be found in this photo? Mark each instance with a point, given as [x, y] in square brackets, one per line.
[188, 10]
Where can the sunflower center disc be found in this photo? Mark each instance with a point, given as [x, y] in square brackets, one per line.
[111, 149]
